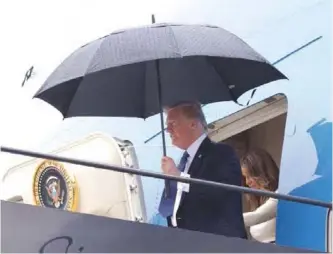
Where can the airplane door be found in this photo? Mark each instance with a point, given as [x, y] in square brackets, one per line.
[82, 189]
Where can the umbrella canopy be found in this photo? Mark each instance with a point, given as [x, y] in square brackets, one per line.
[118, 75]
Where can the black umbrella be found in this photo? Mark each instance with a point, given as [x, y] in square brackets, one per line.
[134, 72]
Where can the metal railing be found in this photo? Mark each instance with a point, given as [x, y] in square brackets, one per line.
[166, 177]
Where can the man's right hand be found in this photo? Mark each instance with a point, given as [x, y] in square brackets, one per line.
[169, 167]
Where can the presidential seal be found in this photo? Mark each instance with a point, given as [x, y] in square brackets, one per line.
[53, 187]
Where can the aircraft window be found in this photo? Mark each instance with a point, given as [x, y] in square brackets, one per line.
[259, 127]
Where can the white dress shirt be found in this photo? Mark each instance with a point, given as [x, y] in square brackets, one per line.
[191, 150]
[262, 221]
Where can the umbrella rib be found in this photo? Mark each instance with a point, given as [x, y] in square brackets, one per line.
[71, 101]
[176, 43]
[144, 90]
[85, 73]
[225, 81]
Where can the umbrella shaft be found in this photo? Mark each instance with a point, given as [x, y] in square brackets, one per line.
[159, 88]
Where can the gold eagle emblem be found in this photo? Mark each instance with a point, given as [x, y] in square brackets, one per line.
[53, 187]
[53, 190]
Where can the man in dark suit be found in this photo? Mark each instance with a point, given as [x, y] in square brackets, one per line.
[197, 207]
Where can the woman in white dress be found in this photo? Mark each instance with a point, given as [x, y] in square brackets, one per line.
[260, 172]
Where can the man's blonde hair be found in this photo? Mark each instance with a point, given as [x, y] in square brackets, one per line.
[191, 110]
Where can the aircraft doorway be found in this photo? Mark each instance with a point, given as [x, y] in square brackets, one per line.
[260, 126]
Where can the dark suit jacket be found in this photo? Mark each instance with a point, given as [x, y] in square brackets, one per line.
[210, 209]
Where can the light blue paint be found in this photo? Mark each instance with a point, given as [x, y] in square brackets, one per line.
[303, 225]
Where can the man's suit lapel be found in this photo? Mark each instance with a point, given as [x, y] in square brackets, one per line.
[196, 165]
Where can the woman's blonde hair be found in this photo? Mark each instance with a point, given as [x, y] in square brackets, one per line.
[263, 170]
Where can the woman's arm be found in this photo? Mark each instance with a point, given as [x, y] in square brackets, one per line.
[263, 213]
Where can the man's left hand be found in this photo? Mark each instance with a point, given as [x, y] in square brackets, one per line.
[169, 167]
